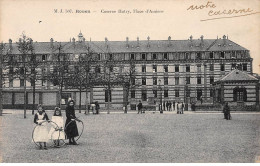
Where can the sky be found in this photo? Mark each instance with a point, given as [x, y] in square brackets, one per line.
[38, 20]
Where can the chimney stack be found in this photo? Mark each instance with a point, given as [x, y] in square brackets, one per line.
[73, 41]
[127, 42]
[201, 40]
[224, 39]
[138, 44]
[148, 39]
[169, 41]
[191, 38]
[10, 44]
[51, 40]
[84, 39]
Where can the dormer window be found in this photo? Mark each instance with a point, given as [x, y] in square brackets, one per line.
[44, 57]
[154, 56]
[132, 56]
[222, 55]
[198, 56]
[211, 55]
[165, 56]
[143, 57]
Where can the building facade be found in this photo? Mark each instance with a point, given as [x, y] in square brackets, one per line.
[166, 70]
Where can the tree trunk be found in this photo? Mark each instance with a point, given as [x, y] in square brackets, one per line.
[87, 108]
[24, 89]
[33, 108]
[80, 98]
[1, 81]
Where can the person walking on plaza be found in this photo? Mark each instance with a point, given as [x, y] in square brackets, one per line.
[71, 129]
[182, 108]
[173, 105]
[167, 105]
[226, 111]
[97, 107]
[41, 132]
[170, 106]
[140, 107]
[56, 134]
[178, 107]
[163, 105]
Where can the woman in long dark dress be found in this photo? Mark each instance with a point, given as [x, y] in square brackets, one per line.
[71, 129]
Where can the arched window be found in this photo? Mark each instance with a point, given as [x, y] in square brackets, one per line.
[240, 94]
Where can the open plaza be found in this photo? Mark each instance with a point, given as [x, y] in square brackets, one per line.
[137, 138]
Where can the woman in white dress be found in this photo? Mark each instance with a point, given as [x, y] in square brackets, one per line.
[41, 131]
[57, 133]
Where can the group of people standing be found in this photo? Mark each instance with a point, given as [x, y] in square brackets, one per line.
[58, 132]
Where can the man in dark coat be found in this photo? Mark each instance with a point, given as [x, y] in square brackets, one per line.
[226, 111]
[139, 107]
[71, 128]
[97, 107]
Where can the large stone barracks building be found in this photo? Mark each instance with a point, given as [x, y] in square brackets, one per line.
[212, 70]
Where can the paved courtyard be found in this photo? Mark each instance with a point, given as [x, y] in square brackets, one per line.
[118, 137]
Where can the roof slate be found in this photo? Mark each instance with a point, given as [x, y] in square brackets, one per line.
[134, 47]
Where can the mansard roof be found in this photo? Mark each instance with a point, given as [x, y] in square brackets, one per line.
[237, 76]
[145, 46]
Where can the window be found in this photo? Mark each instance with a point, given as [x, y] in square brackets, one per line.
[110, 56]
[154, 68]
[155, 93]
[143, 81]
[187, 68]
[43, 82]
[187, 56]
[165, 56]
[154, 56]
[211, 92]
[177, 68]
[240, 94]
[44, 57]
[133, 107]
[222, 67]
[11, 70]
[11, 82]
[98, 70]
[176, 80]
[177, 93]
[165, 80]
[108, 92]
[211, 67]
[132, 56]
[187, 92]
[198, 57]
[211, 55]
[233, 66]
[211, 80]
[133, 81]
[22, 71]
[244, 67]
[154, 81]
[198, 80]
[111, 68]
[166, 69]
[199, 68]
[132, 93]
[222, 55]
[99, 57]
[143, 57]
[143, 69]
[187, 80]
[165, 93]
[233, 55]
[199, 94]
[144, 95]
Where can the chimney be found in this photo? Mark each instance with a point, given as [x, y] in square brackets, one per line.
[169, 41]
[84, 39]
[191, 38]
[127, 42]
[51, 40]
[10, 44]
[148, 39]
[224, 39]
[73, 41]
[138, 44]
[201, 40]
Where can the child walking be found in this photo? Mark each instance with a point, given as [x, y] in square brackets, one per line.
[41, 131]
[56, 134]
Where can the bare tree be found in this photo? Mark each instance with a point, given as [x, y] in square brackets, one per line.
[25, 47]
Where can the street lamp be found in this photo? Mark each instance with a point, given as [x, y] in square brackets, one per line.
[160, 90]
